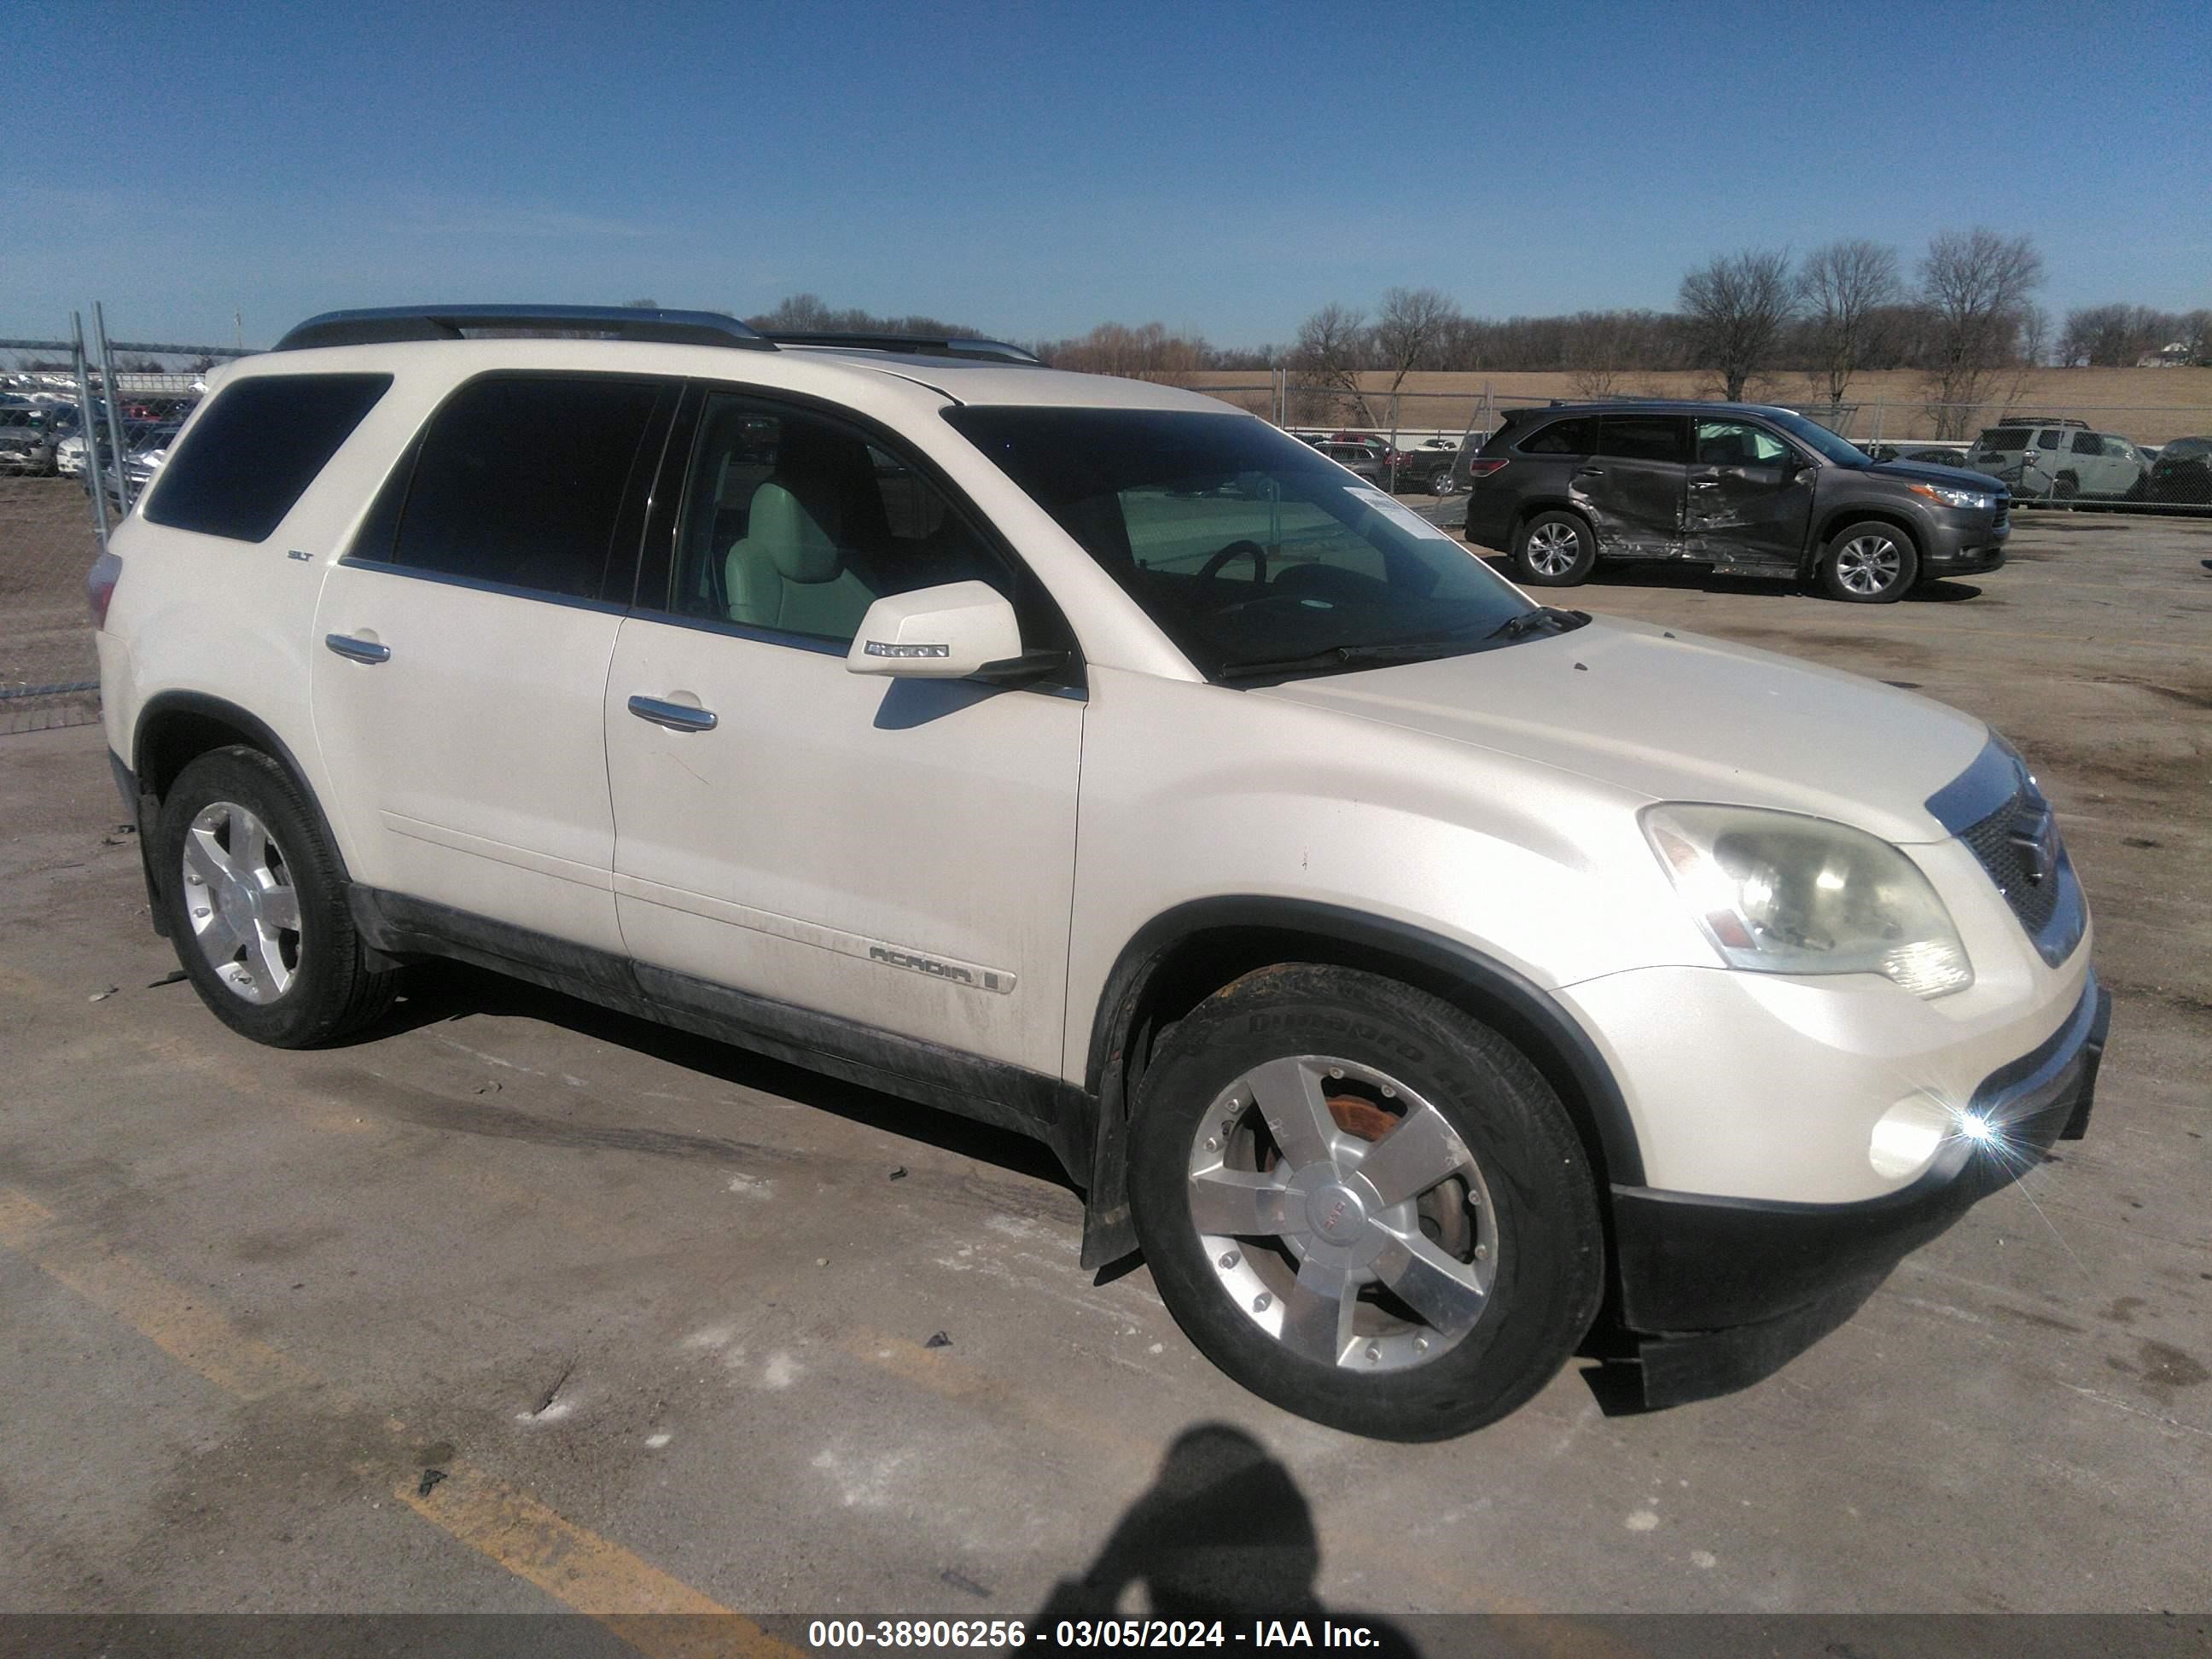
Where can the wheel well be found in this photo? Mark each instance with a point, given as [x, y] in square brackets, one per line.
[171, 739]
[1528, 510]
[1202, 964]
[1875, 515]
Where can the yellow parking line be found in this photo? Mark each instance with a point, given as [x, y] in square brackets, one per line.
[649, 1609]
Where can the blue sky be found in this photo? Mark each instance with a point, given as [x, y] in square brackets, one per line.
[1035, 169]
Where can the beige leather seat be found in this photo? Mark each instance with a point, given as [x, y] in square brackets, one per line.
[786, 572]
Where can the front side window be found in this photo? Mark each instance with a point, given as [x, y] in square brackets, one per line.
[2088, 443]
[1643, 437]
[519, 481]
[1247, 549]
[797, 523]
[1739, 443]
[256, 448]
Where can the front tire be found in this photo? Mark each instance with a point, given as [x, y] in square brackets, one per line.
[257, 906]
[1364, 1205]
[1554, 549]
[1869, 563]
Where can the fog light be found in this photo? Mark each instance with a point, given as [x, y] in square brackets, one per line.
[1907, 1136]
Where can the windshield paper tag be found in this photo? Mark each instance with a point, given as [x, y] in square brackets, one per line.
[1397, 511]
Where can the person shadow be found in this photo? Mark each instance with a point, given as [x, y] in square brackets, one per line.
[1222, 1532]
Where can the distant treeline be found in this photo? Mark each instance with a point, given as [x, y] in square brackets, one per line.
[1963, 316]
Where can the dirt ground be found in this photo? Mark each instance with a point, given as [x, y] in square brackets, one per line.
[516, 1306]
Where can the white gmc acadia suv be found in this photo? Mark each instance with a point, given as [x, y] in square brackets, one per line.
[1433, 984]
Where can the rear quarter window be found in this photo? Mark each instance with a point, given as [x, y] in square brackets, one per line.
[256, 449]
[1577, 436]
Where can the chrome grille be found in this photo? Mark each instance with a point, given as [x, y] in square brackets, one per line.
[2017, 844]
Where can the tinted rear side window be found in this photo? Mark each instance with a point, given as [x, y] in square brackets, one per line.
[520, 481]
[256, 450]
[1645, 437]
[2005, 438]
[1575, 437]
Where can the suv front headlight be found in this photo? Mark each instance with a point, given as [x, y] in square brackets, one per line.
[1780, 893]
[1973, 500]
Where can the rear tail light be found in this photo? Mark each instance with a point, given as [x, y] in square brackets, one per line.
[1483, 467]
[100, 586]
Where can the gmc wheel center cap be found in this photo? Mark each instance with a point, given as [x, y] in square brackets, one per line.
[1336, 1215]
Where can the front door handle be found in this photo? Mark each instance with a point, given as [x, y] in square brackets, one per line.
[1591, 472]
[354, 650]
[676, 716]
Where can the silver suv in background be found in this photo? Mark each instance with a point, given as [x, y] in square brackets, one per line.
[2059, 459]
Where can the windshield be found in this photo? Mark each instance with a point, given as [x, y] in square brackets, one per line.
[1244, 545]
[1815, 435]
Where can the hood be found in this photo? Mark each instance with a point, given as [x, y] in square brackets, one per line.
[1956, 477]
[1675, 716]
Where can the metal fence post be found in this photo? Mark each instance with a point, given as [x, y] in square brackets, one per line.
[87, 428]
[114, 415]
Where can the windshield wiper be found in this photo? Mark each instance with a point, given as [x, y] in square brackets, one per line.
[1544, 615]
[1448, 642]
[1337, 656]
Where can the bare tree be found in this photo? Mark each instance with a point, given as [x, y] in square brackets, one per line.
[2114, 336]
[1736, 305]
[1409, 331]
[1149, 353]
[1975, 284]
[1843, 288]
[1334, 345]
[1599, 345]
[805, 313]
[2193, 334]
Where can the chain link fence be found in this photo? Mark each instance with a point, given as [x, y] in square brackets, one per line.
[49, 672]
[81, 438]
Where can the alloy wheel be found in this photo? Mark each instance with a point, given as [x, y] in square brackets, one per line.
[1868, 565]
[1343, 1213]
[240, 899]
[1553, 547]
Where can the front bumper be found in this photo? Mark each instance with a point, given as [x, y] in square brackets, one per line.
[1717, 1292]
[1965, 545]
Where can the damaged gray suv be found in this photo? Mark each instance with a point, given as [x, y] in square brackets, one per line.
[1749, 490]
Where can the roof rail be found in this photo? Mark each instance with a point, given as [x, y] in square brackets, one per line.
[394, 323]
[922, 345]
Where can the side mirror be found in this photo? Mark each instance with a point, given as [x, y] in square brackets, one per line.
[946, 633]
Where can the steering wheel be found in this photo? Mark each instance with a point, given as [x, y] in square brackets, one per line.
[1210, 571]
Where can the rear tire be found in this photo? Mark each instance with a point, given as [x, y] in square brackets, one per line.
[1554, 549]
[1868, 563]
[1409, 1294]
[256, 905]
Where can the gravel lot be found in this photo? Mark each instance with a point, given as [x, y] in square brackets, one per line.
[518, 1305]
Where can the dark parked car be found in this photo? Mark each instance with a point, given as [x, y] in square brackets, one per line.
[2181, 472]
[1421, 466]
[1750, 490]
[1935, 454]
[1370, 461]
[27, 438]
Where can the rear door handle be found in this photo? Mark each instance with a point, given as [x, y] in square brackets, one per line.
[1591, 472]
[354, 650]
[676, 716]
